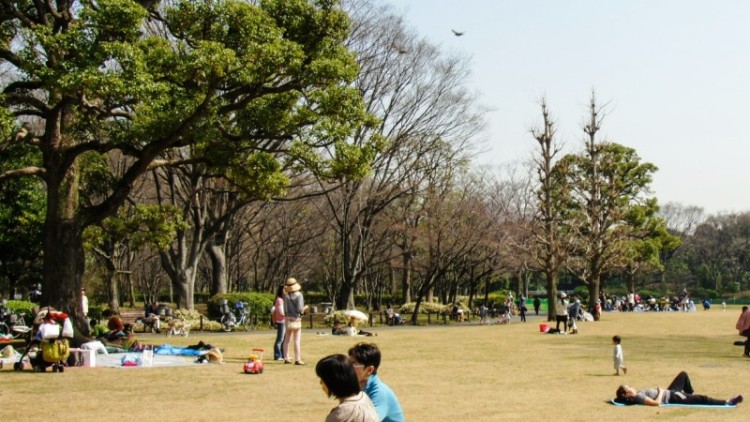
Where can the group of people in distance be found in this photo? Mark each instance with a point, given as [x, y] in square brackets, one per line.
[567, 313]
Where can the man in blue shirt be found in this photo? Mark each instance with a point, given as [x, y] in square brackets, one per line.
[365, 358]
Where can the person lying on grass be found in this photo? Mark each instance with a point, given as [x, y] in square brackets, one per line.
[680, 391]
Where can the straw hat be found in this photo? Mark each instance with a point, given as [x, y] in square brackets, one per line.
[563, 295]
[291, 285]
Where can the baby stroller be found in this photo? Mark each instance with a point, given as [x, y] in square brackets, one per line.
[48, 344]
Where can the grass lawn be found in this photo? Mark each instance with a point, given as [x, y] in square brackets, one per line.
[440, 373]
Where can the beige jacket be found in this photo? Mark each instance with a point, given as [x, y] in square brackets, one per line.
[357, 408]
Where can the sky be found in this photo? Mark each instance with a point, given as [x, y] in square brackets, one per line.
[673, 73]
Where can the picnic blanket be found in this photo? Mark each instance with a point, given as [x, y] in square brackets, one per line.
[115, 360]
[726, 406]
[164, 355]
[166, 349]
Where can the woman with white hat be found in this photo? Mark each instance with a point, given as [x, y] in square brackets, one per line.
[294, 303]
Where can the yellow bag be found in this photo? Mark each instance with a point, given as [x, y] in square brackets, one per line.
[55, 351]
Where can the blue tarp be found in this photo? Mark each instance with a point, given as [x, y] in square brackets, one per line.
[166, 349]
[726, 406]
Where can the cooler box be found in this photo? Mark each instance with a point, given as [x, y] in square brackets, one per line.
[87, 358]
[148, 356]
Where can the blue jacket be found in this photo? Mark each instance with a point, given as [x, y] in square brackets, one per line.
[385, 401]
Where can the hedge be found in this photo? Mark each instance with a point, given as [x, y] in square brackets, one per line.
[17, 306]
[258, 304]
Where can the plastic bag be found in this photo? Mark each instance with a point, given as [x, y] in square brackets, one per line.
[55, 351]
[49, 331]
[67, 329]
[130, 360]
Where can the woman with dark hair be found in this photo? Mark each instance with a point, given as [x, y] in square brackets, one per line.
[294, 305]
[680, 391]
[338, 379]
[279, 319]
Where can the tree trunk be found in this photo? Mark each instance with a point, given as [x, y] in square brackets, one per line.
[64, 259]
[551, 294]
[406, 280]
[415, 314]
[424, 293]
[593, 287]
[216, 252]
[113, 293]
[131, 288]
[345, 299]
[64, 263]
[350, 261]
[183, 286]
[182, 280]
[630, 281]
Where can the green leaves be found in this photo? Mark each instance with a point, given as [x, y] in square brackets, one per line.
[258, 176]
[137, 227]
[255, 92]
[351, 162]
[613, 178]
[7, 124]
[114, 20]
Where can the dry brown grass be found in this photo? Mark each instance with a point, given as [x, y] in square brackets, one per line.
[440, 373]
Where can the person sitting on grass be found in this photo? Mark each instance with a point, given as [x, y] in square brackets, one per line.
[352, 329]
[119, 335]
[680, 391]
[339, 329]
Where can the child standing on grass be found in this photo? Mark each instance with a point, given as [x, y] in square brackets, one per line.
[618, 356]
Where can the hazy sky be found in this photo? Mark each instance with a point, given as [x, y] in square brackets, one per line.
[675, 74]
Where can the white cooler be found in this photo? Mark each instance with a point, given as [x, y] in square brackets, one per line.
[86, 357]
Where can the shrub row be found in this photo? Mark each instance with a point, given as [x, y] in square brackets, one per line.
[258, 304]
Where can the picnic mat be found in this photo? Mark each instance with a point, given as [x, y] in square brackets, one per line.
[726, 406]
[114, 360]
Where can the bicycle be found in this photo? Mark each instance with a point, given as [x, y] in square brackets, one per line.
[14, 325]
[229, 321]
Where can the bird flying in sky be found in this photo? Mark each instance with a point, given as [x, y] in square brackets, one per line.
[458, 33]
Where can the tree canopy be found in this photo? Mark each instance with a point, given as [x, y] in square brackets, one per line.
[259, 92]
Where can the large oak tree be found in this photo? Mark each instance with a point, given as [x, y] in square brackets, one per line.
[250, 86]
